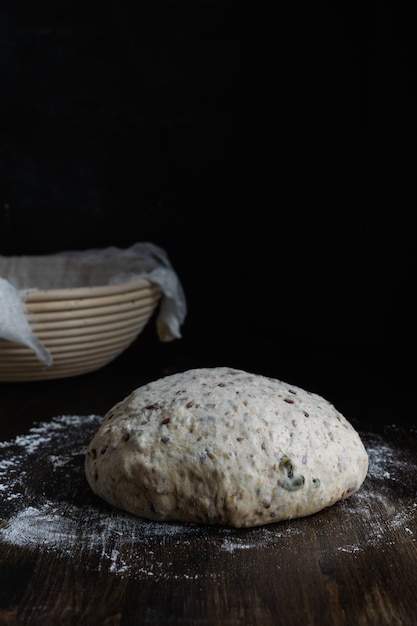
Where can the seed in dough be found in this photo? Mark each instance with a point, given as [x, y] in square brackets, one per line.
[224, 446]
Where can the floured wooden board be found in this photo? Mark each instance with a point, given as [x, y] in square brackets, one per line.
[48, 506]
[322, 566]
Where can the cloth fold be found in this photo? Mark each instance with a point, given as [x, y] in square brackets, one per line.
[14, 325]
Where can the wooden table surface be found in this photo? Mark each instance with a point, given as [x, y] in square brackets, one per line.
[68, 558]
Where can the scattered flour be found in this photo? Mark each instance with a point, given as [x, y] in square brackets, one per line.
[388, 503]
[46, 505]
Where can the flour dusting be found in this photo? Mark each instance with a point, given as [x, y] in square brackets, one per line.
[47, 505]
[388, 503]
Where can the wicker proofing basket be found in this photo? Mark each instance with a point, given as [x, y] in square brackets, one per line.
[84, 329]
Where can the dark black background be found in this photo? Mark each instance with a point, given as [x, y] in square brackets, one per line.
[271, 154]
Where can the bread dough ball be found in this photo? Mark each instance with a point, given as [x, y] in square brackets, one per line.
[224, 446]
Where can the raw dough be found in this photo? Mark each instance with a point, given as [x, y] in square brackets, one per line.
[224, 446]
